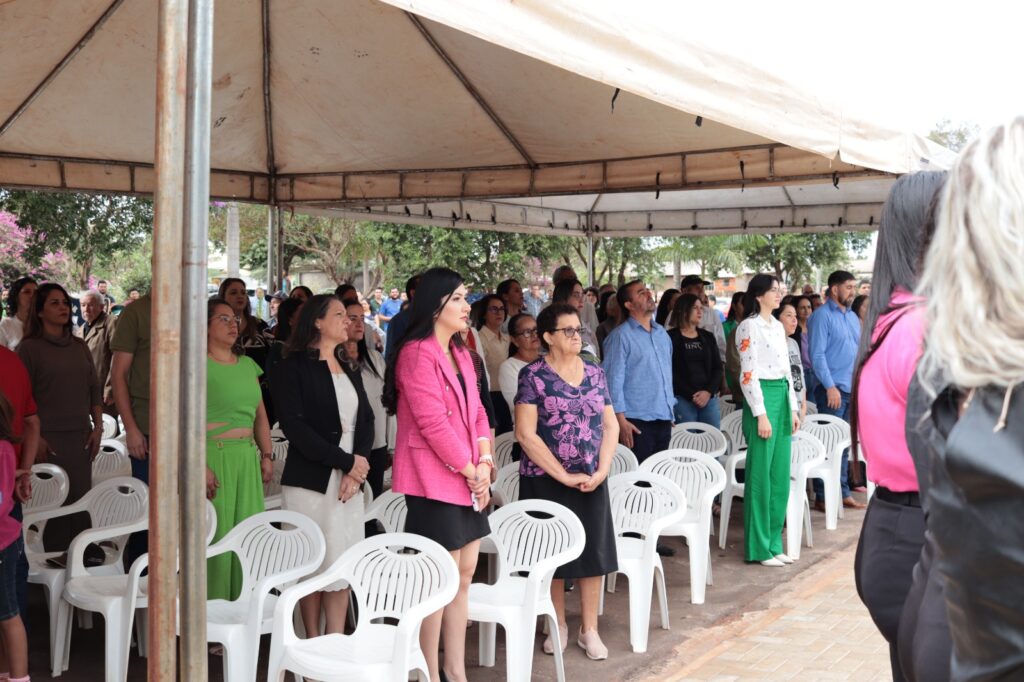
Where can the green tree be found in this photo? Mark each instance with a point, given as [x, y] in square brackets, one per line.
[953, 136]
[712, 254]
[793, 257]
[89, 228]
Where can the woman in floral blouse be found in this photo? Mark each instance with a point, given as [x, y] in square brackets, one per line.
[770, 417]
[567, 428]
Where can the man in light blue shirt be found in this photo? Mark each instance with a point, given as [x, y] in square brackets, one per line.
[638, 365]
[389, 308]
[835, 335]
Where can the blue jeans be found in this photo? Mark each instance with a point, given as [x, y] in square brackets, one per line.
[821, 399]
[687, 411]
[138, 543]
[21, 574]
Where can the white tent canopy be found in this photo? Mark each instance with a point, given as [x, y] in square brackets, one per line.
[555, 116]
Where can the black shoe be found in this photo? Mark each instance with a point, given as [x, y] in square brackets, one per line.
[665, 550]
[569, 585]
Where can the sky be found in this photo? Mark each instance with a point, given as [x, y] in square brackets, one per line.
[907, 63]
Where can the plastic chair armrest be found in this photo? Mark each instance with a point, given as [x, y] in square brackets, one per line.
[76, 551]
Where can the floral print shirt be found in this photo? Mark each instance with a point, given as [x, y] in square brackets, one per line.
[569, 418]
[764, 354]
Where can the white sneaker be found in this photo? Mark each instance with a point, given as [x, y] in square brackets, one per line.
[774, 563]
[784, 558]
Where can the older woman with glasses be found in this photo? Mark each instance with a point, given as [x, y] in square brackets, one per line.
[524, 349]
[568, 430]
[235, 416]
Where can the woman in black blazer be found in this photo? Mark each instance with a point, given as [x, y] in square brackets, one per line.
[696, 365]
[324, 413]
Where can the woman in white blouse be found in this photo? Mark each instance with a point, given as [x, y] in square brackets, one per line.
[770, 417]
[490, 315]
[524, 349]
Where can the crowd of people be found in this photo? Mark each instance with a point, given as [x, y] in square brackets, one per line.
[432, 375]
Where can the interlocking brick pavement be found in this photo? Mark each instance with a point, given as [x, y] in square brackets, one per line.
[815, 628]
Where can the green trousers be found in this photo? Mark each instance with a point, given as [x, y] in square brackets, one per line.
[766, 487]
[236, 464]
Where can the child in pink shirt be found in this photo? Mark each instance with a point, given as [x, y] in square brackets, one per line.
[14, 654]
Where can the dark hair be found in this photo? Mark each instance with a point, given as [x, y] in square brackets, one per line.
[904, 233]
[736, 298]
[250, 330]
[33, 325]
[682, 308]
[14, 291]
[798, 335]
[563, 290]
[411, 284]
[664, 306]
[305, 334]
[759, 285]
[303, 288]
[592, 290]
[362, 350]
[211, 306]
[513, 328]
[102, 281]
[287, 308]
[777, 313]
[858, 301]
[7, 421]
[547, 321]
[344, 289]
[479, 309]
[622, 296]
[840, 277]
[813, 296]
[504, 287]
[435, 289]
[560, 271]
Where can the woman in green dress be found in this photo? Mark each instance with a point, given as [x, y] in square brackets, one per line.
[235, 415]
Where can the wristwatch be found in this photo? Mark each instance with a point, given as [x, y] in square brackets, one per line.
[487, 459]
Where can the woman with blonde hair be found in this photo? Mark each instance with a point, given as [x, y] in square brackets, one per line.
[965, 416]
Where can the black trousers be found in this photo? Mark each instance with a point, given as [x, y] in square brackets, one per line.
[889, 547]
[925, 645]
[653, 437]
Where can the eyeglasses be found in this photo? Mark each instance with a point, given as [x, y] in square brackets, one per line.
[355, 318]
[227, 319]
[528, 333]
[496, 309]
[570, 332]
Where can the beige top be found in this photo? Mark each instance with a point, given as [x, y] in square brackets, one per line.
[495, 352]
[98, 338]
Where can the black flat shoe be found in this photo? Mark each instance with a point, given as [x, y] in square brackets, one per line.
[665, 550]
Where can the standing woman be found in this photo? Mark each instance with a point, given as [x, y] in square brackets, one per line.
[443, 456]
[770, 417]
[235, 470]
[368, 361]
[19, 305]
[494, 349]
[665, 306]
[254, 337]
[571, 291]
[803, 339]
[301, 292]
[524, 349]
[696, 364]
[786, 314]
[325, 415]
[68, 393]
[892, 538]
[732, 354]
[567, 427]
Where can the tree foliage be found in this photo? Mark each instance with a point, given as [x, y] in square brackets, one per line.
[793, 257]
[954, 136]
[17, 261]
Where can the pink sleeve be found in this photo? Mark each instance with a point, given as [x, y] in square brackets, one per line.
[902, 356]
[417, 377]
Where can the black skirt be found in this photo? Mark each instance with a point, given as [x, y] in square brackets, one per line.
[452, 526]
[593, 510]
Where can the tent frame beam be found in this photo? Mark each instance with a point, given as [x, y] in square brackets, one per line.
[56, 71]
[470, 88]
[268, 113]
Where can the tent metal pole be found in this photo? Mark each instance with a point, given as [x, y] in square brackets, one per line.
[273, 284]
[279, 224]
[192, 427]
[166, 329]
[591, 275]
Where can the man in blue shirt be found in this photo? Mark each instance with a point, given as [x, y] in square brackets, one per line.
[389, 308]
[835, 335]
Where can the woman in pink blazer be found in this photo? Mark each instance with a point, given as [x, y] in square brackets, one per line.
[443, 457]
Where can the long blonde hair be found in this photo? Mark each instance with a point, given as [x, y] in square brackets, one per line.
[973, 277]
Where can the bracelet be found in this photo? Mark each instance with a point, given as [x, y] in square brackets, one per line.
[487, 459]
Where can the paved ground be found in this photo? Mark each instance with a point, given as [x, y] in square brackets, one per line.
[756, 624]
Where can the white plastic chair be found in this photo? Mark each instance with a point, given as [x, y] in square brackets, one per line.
[732, 428]
[506, 487]
[700, 437]
[726, 407]
[387, 478]
[272, 490]
[834, 433]
[807, 453]
[111, 461]
[389, 510]
[115, 502]
[387, 581]
[116, 597]
[50, 487]
[701, 478]
[535, 546]
[274, 548]
[623, 461]
[503, 445]
[643, 504]
[110, 429]
[811, 408]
